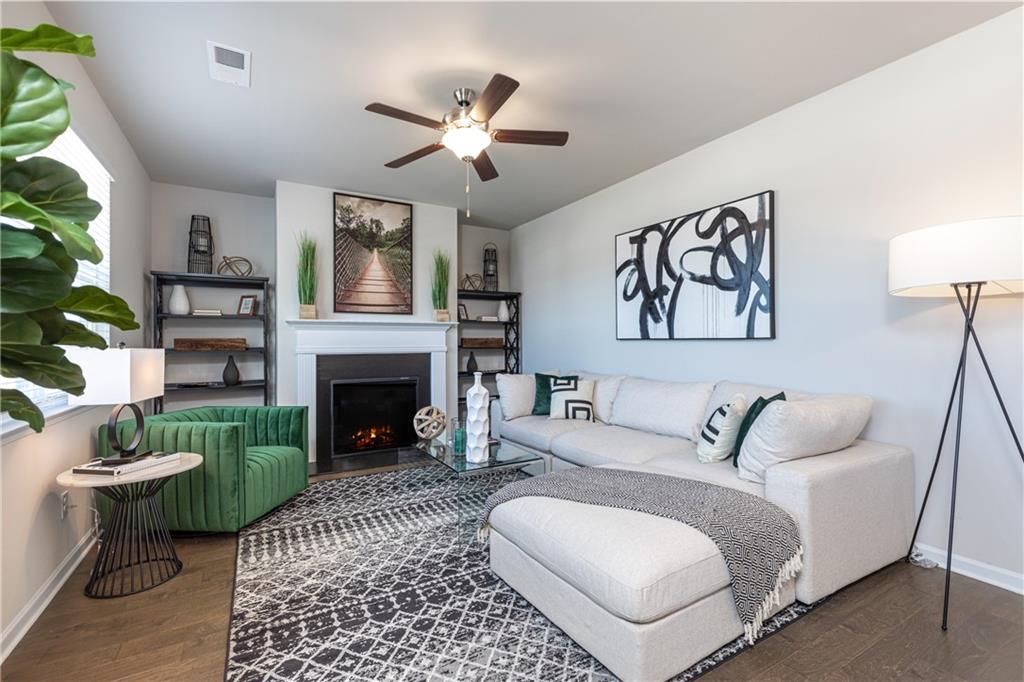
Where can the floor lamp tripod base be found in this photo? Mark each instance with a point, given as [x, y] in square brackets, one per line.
[968, 295]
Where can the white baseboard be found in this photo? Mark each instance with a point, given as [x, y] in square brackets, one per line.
[979, 570]
[21, 624]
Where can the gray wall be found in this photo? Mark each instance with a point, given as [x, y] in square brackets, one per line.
[243, 225]
[932, 138]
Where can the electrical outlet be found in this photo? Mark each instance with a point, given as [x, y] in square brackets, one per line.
[64, 505]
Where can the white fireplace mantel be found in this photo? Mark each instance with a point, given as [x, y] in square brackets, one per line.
[353, 337]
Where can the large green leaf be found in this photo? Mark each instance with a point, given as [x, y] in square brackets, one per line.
[46, 38]
[17, 404]
[51, 186]
[74, 237]
[56, 252]
[16, 242]
[28, 284]
[96, 305]
[20, 328]
[33, 110]
[58, 330]
[44, 366]
[77, 334]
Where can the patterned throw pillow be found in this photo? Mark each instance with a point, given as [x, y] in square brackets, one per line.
[748, 421]
[572, 398]
[718, 437]
[542, 397]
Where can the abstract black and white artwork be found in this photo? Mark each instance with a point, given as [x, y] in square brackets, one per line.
[704, 275]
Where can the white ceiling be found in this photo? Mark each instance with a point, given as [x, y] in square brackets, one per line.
[635, 84]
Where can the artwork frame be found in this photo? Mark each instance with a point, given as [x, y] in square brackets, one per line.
[373, 255]
[729, 288]
[463, 312]
[247, 305]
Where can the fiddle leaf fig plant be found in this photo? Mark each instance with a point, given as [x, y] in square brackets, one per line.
[48, 210]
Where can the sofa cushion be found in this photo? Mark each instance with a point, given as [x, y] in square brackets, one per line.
[725, 390]
[718, 437]
[667, 407]
[536, 431]
[572, 399]
[721, 473]
[606, 387]
[604, 444]
[516, 393]
[637, 566]
[801, 428]
[542, 395]
[273, 474]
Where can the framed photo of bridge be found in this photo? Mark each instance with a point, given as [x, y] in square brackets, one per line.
[372, 255]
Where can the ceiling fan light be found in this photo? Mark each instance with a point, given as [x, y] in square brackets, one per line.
[466, 142]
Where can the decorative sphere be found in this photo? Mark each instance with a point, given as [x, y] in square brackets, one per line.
[429, 422]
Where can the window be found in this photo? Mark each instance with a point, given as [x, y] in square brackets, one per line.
[69, 149]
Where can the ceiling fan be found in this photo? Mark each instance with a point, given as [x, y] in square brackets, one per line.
[466, 128]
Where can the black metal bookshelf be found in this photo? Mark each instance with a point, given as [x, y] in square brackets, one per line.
[161, 279]
[510, 331]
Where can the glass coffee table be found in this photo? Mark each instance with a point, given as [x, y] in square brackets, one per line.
[470, 499]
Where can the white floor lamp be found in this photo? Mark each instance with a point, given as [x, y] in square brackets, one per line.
[966, 260]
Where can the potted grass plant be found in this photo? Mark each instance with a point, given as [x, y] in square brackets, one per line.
[307, 271]
[439, 286]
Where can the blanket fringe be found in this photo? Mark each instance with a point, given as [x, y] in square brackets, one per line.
[483, 532]
[788, 571]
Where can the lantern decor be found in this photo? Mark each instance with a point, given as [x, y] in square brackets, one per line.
[490, 266]
[200, 246]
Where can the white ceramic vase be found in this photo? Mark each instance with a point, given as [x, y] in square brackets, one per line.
[478, 429]
[503, 315]
[179, 303]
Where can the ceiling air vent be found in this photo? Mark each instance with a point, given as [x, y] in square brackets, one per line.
[229, 64]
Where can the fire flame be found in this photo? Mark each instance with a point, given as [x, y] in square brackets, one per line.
[373, 437]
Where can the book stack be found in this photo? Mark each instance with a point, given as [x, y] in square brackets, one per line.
[488, 318]
[121, 466]
[211, 312]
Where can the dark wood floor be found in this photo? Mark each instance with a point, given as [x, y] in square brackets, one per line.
[882, 628]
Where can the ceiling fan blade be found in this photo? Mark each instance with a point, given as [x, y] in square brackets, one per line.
[385, 110]
[484, 167]
[494, 95]
[554, 138]
[418, 154]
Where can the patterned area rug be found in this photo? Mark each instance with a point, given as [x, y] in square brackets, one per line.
[366, 578]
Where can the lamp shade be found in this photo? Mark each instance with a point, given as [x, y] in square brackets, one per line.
[928, 261]
[118, 375]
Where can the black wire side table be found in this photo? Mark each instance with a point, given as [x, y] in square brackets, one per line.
[136, 552]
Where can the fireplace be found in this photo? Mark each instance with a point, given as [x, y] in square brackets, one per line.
[372, 414]
[365, 403]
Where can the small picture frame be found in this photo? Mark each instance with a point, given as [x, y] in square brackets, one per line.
[463, 312]
[247, 305]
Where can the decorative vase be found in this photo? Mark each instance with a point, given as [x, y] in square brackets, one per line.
[179, 303]
[478, 425]
[471, 365]
[442, 315]
[307, 312]
[503, 315]
[231, 376]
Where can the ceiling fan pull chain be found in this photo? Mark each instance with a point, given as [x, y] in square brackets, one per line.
[469, 212]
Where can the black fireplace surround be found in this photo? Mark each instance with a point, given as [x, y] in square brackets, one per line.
[365, 403]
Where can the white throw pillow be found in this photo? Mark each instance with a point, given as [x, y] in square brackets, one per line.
[572, 399]
[515, 393]
[667, 407]
[606, 387]
[718, 437]
[788, 430]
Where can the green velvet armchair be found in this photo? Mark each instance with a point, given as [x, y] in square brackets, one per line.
[254, 459]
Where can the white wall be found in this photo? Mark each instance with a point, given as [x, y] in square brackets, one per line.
[932, 138]
[243, 225]
[36, 545]
[310, 209]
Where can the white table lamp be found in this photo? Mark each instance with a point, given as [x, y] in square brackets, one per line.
[121, 377]
[965, 260]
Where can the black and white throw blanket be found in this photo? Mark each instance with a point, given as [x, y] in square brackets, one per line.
[759, 540]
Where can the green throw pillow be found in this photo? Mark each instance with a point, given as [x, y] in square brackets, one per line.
[749, 418]
[542, 394]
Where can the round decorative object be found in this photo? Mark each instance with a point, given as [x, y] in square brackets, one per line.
[474, 282]
[429, 422]
[234, 265]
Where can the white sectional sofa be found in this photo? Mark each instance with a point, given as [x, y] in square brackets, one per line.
[648, 596]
